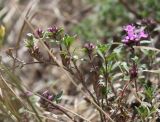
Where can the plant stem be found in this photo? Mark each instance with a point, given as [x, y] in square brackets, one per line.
[106, 76]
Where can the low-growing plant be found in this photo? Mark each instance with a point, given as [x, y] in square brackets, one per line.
[118, 72]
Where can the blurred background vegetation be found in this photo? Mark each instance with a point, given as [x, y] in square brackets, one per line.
[91, 20]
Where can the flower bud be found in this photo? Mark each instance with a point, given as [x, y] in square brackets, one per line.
[133, 72]
[89, 47]
[53, 29]
[43, 102]
[38, 33]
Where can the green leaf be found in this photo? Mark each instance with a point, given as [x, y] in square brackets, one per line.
[100, 54]
[111, 57]
[29, 42]
[145, 42]
[68, 40]
[104, 90]
[115, 65]
[135, 59]
[59, 94]
[149, 91]
[125, 66]
[57, 98]
[143, 111]
[103, 48]
[118, 49]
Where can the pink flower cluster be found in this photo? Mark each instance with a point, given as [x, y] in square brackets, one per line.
[133, 35]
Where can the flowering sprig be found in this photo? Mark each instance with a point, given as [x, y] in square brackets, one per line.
[89, 48]
[133, 35]
[34, 46]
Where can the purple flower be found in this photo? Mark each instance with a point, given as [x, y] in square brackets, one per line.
[129, 28]
[53, 29]
[142, 34]
[89, 47]
[53, 32]
[133, 35]
[125, 39]
[50, 97]
[45, 93]
[43, 102]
